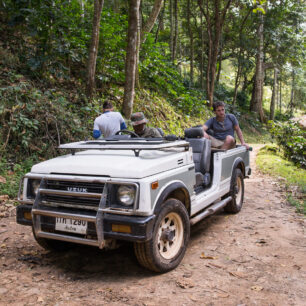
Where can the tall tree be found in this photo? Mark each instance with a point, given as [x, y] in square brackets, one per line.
[131, 58]
[171, 16]
[274, 93]
[201, 63]
[256, 102]
[280, 94]
[241, 43]
[93, 49]
[176, 31]
[215, 17]
[161, 24]
[147, 28]
[190, 32]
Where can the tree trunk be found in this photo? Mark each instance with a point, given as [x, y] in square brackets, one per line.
[280, 97]
[93, 49]
[215, 24]
[160, 22]
[139, 27]
[82, 8]
[256, 102]
[116, 6]
[171, 28]
[220, 63]
[202, 55]
[175, 38]
[191, 42]
[144, 30]
[147, 28]
[292, 96]
[237, 80]
[274, 93]
[130, 63]
[240, 58]
[246, 82]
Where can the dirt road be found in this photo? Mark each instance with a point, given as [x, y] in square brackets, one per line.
[257, 257]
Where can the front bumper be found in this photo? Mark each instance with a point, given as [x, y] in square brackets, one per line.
[141, 227]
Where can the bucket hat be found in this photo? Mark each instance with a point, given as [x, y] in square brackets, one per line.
[138, 118]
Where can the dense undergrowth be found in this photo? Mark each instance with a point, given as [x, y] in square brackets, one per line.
[291, 137]
[43, 57]
[35, 120]
[36, 117]
[270, 159]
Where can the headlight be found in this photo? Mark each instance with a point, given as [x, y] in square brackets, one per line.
[33, 187]
[126, 194]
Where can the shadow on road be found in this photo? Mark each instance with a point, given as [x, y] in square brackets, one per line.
[90, 263]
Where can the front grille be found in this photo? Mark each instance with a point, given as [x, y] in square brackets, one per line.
[72, 186]
[64, 185]
[71, 200]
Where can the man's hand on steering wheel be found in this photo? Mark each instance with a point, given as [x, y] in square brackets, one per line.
[121, 132]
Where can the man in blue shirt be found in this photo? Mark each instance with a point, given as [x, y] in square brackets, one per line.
[224, 127]
[109, 122]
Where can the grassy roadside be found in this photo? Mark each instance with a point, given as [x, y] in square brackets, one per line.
[269, 160]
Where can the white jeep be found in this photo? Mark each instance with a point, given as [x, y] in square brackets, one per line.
[147, 191]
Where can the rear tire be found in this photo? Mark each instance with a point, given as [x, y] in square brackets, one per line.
[236, 192]
[167, 247]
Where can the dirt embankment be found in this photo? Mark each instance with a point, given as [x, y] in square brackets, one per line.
[257, 257]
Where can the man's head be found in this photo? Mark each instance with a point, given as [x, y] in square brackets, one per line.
[138, 121]
[219, 109]
[107, 106]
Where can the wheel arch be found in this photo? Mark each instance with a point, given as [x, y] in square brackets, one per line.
[239, 163]
[176, 190]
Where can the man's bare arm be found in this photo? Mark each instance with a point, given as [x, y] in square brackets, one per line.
[205, 128]
[240, 136]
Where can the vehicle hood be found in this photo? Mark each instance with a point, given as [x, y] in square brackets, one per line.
[113, 163]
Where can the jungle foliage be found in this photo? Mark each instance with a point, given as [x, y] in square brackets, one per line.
[44, 54]
[291, 137]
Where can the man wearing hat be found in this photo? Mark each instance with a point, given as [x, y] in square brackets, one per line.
[139, 122]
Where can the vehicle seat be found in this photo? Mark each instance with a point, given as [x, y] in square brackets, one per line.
[161, 132]
[201, 148]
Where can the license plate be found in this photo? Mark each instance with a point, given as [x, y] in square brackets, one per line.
[71, 225]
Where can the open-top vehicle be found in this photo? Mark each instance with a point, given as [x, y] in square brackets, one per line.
[147, 191]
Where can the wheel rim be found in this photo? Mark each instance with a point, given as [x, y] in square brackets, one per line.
[238, 190]
[170, 235]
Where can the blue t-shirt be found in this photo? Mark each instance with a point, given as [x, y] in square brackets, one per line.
[222, 129]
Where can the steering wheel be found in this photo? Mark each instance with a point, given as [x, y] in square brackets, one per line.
[133, 134]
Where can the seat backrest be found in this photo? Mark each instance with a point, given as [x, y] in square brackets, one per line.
[201, 148]
[161, 132]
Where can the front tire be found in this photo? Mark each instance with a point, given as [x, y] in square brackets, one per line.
[236, 192]
[167, 247]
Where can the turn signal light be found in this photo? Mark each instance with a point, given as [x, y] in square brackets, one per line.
[27, 216]
[120, 228]
[154, 185]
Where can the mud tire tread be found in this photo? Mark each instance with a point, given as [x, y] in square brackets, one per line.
[233, 207]
[145, 251]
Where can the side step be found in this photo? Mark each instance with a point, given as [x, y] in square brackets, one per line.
[210, 210]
